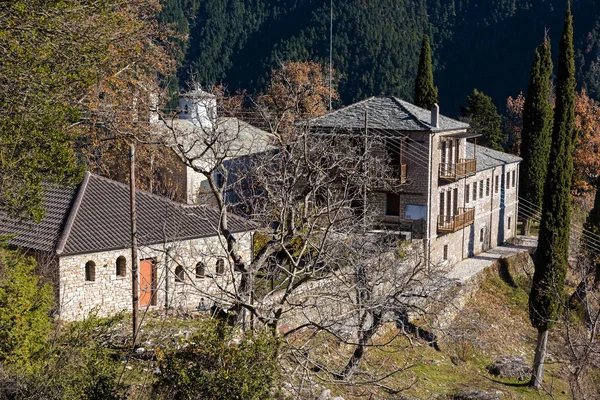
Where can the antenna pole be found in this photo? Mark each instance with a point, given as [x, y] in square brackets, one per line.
[330, 50]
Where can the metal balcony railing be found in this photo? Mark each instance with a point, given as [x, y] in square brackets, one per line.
[449, 224]
[454, 171]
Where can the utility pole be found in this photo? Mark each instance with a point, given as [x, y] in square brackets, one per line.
[330, 51]
[134, 257]
[365, 170]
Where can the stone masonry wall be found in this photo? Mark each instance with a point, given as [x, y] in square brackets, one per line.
[109, 293]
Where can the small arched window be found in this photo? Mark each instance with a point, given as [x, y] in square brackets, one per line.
[90, 271]
[179, 274]
[121, 266]
[186, 109]
[200, 269]
[220, 266]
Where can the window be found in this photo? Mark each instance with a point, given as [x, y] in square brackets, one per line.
[179, 274]
[445, 252]
[220, 266]
[219, 179]
[487, 187]
[392, 204]
[90, 271]
[200, 269]
[474, 191]
[442, 203]
[186, 109]
[497, 185]
[509, 222]
[514, 178]
[481, 189]
[121, 266]
[481, 235]
[508, 180]
[467, 193]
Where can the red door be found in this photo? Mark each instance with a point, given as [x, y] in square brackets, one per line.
[146, 281]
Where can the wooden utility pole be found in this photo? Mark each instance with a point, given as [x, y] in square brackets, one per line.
[365, 170]
[134, 257]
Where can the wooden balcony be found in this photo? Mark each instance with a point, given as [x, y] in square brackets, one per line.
[454, 171]
[449, 224]
[398, 173]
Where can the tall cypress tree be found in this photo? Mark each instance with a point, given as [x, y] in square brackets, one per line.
[537, 129]
[551, 256]
[483, 118]
[426, 93]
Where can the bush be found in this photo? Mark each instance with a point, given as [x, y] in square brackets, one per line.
[25, 305]
[218, 365]
[76, 366]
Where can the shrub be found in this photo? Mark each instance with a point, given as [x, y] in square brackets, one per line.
[25, 305]
[217, 364]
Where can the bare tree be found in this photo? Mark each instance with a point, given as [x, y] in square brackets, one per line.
[318, 267]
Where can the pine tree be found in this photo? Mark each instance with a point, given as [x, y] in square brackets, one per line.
[482, 115]
[426, 93]
[551, 256]
[537, 129]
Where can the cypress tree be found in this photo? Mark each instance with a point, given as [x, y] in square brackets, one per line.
[537, 129]
[426, 93]
[551, 256]
[483, 117]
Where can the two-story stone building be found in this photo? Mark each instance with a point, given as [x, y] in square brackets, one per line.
[460, 198]
[83, 246]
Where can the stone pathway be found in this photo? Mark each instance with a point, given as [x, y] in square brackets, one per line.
[468, 268]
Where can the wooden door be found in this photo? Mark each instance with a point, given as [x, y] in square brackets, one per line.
[146, 282]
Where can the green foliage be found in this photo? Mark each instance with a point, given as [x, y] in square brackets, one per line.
[76, 366]
[426, 93]
[376, 43]
[25, 304]
[537, 127]
[483, 117]
[219, 364]
[551, 256]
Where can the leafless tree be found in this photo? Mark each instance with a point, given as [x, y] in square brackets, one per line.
[319, 266]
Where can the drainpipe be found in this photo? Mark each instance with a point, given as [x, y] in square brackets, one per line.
[492, 207]
[167, 269]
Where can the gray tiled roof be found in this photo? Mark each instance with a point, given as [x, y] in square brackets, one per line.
[488, 158]
[385, 113]
[96, 218]
[44, 235]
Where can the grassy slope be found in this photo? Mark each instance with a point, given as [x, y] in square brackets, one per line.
[494, 322]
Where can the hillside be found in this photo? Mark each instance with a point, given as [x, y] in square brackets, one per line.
[483, 44]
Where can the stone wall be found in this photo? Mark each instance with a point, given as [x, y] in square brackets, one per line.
[495, 214]
[109, 293]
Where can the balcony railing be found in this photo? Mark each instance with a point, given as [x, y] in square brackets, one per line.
[398, 173]
[455, 171]
[449, 224]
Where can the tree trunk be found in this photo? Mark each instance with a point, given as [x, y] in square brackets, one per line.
[538, 362]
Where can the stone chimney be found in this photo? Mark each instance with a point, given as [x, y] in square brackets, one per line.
[435, 116]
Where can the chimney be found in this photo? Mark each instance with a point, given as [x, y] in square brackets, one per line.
[435, 116]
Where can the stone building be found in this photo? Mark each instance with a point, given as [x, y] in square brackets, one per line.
[460, 198]
[210, 141]
[84, 246]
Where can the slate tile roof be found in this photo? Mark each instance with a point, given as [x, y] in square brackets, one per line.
[488, 158]
[44, 235]
[388, 113]
[95, 217]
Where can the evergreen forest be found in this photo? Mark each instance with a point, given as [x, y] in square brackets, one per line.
[376, 43]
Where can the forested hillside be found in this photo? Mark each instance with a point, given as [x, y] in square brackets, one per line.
[486, 45]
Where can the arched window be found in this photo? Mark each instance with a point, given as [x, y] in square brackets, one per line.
[200, 269]
[121, 266]
[179, 274]
[220, 266]
[90, 271]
